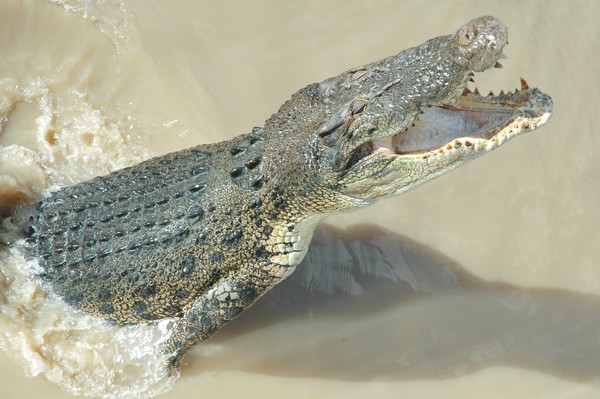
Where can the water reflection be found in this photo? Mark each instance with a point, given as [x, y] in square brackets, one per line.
[369, 304]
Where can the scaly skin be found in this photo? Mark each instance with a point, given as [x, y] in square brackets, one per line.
[199, 235]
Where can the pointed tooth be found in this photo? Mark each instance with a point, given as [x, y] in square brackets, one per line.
[471, 79]
[498, 65]
[524, 85]
[476, 91]
[502, 92]
[491, 94]
[466, 91]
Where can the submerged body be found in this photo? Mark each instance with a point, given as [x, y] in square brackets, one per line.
[199, 235]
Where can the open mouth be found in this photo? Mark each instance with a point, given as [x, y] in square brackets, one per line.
[472, 120]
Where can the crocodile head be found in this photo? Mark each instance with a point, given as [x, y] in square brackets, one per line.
[443, 137]
[386, 127]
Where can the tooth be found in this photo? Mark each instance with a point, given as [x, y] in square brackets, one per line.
[466, 91]
[476, 91]
[501, 92]
[471, 79]
[498, 65]
[491, 94]
[524, 85]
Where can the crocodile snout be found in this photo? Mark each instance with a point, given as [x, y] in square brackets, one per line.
[480, 42]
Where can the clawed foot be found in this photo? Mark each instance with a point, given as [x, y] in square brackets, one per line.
[173, 364]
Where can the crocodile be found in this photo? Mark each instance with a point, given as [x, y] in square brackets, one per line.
[198, 235]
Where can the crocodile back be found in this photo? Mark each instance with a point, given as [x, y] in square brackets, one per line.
[126, 246]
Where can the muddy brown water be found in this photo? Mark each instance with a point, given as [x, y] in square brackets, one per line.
[482, 283]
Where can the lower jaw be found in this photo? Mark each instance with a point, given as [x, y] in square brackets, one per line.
[485, 141]
[469, 124]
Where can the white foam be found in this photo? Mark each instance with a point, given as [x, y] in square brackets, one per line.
[80, 353]
[72, 139]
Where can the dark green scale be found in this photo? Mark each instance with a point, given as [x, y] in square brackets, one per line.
[135, 245]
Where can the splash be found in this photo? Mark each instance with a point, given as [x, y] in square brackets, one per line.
[112, 18]
[82, 354]
[54, 131]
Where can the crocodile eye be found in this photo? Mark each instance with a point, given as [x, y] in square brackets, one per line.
[358, 106]
[331, 124]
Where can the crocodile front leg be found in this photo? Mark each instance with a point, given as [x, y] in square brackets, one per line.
[220, 304]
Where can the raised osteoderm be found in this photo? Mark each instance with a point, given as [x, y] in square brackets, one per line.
[200, 234]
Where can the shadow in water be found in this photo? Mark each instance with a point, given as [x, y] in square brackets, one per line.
[369, 304]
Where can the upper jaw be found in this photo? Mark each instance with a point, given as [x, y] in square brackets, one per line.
[433, 74]
[424, 122]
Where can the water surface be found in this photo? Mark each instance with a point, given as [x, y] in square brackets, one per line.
[484, 282]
